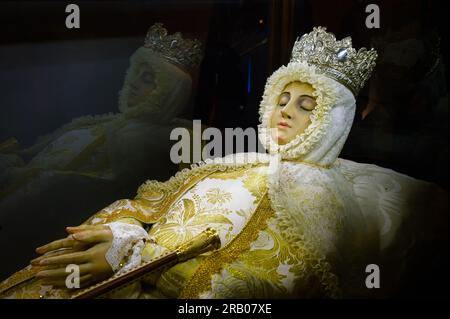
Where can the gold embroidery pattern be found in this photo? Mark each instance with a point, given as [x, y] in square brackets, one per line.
[255, 182]
[18, 278]
[23, 285]
[259, 266]
[212, 264]
[272, 268]
[185, 221]
[307, 249]
[235, 174]
[154, 198]
[310, 163]
[149, 205]
[217, 196]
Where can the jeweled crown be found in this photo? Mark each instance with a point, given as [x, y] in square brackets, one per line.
[184, 52]
[336, 59]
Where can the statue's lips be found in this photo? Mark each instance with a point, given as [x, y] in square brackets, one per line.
[283, 125]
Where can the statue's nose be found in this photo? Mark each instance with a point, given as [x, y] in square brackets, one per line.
[284, 114]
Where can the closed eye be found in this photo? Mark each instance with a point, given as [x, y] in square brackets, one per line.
[284, 98]
[307, 108]
[306, 103]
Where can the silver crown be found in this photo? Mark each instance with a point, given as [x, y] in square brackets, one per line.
[336, 59]
[184, 52]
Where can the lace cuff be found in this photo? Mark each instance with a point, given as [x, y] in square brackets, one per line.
[127, 245]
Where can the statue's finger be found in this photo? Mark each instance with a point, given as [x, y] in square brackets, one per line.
[58, 273]
[73, 258]
[52, 282]
[86, 280]
[76, 229]
[91, 237]
[57, 244]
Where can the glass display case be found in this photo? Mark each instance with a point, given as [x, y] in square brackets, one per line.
[91, 95]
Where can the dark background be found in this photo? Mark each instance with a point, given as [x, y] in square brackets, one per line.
[50, 74]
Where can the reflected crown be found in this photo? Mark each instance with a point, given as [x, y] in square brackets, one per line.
[184, 52]
[335, 59]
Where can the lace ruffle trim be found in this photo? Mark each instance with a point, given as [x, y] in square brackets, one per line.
[127, 245]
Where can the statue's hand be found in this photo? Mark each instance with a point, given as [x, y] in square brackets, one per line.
[86, 247]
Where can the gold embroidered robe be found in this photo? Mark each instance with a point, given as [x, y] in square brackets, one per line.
[254, 261]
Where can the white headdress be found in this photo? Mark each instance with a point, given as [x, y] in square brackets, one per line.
[170, 58]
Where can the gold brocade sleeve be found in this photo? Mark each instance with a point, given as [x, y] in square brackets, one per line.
[152, 201]
[155, 198]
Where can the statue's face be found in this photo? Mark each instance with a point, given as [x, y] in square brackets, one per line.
[141, 85]
[292, 115]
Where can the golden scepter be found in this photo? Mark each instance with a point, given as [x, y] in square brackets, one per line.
[207, 240]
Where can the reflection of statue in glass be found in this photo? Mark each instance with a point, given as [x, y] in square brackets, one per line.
[157, 88]
[111, 152]
[297, 222]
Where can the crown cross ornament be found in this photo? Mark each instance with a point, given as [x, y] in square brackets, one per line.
[335, 59]
[184, 52]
